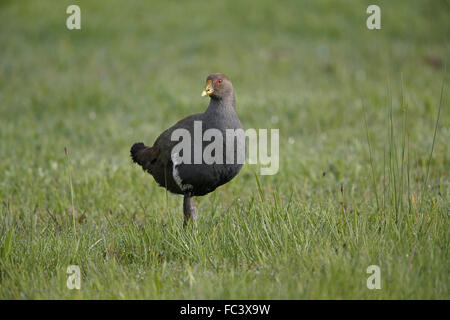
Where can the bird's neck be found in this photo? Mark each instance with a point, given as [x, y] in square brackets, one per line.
[225, 104]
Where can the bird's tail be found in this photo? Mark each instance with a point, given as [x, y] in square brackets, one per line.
[137, 153]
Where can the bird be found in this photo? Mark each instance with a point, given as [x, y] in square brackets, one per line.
[193, 178]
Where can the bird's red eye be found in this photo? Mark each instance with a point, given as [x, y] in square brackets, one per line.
[219, 81]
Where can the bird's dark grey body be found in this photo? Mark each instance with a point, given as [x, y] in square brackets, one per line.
[203, 178]
[192, 179]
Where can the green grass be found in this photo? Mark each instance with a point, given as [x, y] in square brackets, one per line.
[358, 184]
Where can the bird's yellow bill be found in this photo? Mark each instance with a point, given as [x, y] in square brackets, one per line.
[208, 90]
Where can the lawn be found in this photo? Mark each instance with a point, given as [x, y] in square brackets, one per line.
[364, 165]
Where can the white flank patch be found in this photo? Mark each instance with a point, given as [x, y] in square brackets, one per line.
[176, 160]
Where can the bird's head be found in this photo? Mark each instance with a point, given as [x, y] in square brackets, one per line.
[217, 86]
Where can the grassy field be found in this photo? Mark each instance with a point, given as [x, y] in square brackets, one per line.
[363, 179]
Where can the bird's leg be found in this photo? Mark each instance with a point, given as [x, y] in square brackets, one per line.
[189, 210]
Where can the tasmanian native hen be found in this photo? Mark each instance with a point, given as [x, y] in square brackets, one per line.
[211, 155]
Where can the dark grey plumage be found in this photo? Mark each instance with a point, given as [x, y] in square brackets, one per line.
[196, 179]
